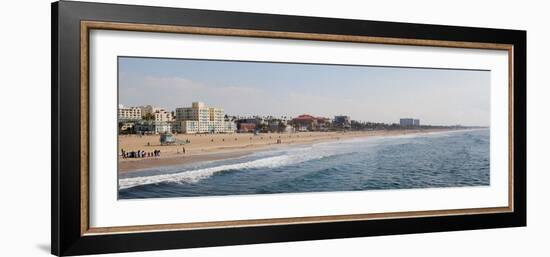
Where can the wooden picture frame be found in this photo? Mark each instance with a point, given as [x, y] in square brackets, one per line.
[71, 25]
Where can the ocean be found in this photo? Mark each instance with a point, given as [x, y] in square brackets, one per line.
[435, 160]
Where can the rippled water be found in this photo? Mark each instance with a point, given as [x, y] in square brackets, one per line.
[444, 159]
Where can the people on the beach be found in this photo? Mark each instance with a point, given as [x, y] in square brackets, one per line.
[139, 154]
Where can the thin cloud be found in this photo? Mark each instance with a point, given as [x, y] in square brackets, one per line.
[365, 93]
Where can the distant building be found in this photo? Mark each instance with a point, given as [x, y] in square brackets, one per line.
[175, 126]
[128, 113]
[249, 124]
[200, 118]
[406, 122]
[162, 115]
[246, 127]
[342, 121]
[191, 126]
[157, 113]
[409, 122]
[152, 127]
[307, 122]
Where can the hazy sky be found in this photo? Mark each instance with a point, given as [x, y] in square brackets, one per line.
[379, 94]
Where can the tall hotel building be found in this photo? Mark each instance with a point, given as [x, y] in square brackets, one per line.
[200, 118]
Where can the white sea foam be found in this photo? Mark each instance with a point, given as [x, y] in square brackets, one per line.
[192, 176]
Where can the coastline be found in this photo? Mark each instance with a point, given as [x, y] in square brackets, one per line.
[211, 147]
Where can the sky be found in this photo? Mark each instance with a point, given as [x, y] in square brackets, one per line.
[365, 93]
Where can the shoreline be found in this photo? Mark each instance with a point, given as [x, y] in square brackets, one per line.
[208, 147]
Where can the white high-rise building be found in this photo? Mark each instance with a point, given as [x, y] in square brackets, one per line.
[200, 118]
[129, 113]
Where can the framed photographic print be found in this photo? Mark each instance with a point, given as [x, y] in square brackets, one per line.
[178, 128]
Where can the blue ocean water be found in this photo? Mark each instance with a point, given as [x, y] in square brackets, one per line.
[434, 160]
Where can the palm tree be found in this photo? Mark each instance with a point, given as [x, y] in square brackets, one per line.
[148, 116]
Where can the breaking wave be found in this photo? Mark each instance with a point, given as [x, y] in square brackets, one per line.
[194, 176]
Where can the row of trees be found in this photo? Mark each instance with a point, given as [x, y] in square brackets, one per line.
[356, 125]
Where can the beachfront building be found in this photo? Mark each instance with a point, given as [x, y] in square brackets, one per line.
[152, 127]
[128, 113]
[246, 127]
[200, 118]
[307, 122]
[175, 126]
[409, 122]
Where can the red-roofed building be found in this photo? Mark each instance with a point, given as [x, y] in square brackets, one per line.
[306, 122]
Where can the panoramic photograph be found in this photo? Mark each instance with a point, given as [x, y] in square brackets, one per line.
[192, 128]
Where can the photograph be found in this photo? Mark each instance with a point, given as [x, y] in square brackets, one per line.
[176, 127]
[201, 127]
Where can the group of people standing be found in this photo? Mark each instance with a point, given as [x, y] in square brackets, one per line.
[139, 154]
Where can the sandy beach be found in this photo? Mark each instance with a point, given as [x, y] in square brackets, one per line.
[208, 147]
